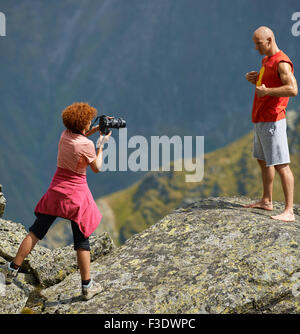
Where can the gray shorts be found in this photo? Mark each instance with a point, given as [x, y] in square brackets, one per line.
[270, 142]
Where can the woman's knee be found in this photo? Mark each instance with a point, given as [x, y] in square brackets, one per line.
[82, 246]
[80, 242]
[33, 237]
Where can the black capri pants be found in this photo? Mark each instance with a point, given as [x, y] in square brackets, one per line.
[43, 222]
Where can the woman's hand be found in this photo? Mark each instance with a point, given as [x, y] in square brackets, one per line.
[89, 132]
[97, 163]
[103, 139]
[110, 117]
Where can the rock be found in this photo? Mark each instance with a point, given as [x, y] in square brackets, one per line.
[48, 266]
[211, 256]
[53, 266]
[2, 202]
[13, 297]
[11, 235]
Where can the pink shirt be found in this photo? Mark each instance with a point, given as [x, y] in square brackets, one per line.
[75, 152]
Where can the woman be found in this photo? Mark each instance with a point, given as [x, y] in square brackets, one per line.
[68, 195]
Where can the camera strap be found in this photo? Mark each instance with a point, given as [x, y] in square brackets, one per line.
[77, 132]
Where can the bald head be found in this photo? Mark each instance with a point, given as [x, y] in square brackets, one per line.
[264, 33]
[264, 40]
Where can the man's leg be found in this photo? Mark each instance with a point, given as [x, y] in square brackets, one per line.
[287, 181]
[267, 174]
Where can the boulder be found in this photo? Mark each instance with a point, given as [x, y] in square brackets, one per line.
[48, 266]
[211, 256]
[53, 266]
[14, 297]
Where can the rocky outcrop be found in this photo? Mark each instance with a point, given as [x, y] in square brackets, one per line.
[2, 202]
[43, 267]
[210, 256]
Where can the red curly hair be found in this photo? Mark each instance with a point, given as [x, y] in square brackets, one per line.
[78, 115]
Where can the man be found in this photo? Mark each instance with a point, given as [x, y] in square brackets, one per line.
[275, 83]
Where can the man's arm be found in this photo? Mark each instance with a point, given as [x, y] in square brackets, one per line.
[289, 83]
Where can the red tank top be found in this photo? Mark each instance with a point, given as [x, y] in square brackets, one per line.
[270, 108]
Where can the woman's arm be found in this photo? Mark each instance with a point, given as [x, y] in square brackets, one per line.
[92, 131]
[97, 163]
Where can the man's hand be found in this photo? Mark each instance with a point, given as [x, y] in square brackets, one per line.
[252, 77]
[261, 90]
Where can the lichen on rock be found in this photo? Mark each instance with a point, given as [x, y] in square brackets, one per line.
[42, 268]
[212, 256]
[209, 256]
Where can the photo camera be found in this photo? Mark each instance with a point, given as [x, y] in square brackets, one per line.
[106, 123]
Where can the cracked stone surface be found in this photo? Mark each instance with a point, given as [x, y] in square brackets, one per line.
[210, 256]
[42, 268]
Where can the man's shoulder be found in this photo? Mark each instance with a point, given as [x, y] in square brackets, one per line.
[283, 57]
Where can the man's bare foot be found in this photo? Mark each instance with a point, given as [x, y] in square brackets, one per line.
[261, 205]
[286, 216]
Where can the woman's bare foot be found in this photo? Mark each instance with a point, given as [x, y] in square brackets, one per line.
[286, 216]
[262, 204]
